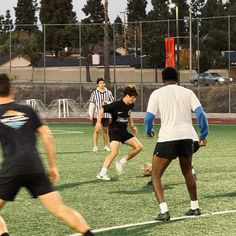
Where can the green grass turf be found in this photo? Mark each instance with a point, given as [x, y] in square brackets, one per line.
[128, 199]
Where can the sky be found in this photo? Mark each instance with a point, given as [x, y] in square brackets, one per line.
[115, 7]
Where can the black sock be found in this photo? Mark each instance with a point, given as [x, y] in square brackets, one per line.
[4, 234]
[88, 233]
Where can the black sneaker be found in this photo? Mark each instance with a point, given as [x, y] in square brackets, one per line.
[196, 212]
[163, 217]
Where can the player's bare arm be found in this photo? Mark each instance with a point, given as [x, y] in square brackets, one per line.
[47, 139]
[132, 126]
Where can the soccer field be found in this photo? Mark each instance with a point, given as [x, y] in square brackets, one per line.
[128, 199]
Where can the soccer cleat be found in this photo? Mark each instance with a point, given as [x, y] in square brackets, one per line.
[95, 149]
[196, 212]
[103, 177]
[107, 149]
[119, 168]
[163, 217]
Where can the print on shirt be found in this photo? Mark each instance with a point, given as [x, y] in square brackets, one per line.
[13, 119]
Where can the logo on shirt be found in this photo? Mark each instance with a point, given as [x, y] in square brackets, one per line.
[120, 112]
[13, 119]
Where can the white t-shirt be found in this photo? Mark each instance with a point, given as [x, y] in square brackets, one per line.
[174, 104]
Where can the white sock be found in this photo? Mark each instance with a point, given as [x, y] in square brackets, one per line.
[163, 207]
[103, 171]
[123, 161]
[194, 205]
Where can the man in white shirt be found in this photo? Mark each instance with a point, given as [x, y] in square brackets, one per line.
[174, 104]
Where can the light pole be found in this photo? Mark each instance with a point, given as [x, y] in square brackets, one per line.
[173, 5]
[124, 14]
[177, 37]
[190, 38]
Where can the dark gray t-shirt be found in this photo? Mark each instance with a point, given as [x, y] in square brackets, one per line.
[18, 125]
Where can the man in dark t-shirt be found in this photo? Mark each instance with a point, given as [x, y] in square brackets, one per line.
[118, 132]
[22, 166]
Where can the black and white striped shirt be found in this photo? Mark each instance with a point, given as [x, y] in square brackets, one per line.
[99, 98]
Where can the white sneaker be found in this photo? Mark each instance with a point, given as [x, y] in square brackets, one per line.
[103, 177]
[107, 149]
[95, 149]
[119, 168]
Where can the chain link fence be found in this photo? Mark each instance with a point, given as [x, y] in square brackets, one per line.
[51, 62]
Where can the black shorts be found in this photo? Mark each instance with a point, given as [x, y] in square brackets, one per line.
[119, 135]
[36, 184]
[174, 149]
[105, 122]
[195, 146]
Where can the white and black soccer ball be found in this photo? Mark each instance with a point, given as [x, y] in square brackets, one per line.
[146, 169]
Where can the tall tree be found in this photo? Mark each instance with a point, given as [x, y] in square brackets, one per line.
[55, 15]
[8, 23]
[136, 12]
[154, 34]
[25, 13]
[213, 33]
[92, 33]
[106, 44]
[5, 28]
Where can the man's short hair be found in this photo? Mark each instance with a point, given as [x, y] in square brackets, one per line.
[170, 73]
[131, 91]
[5, 85]
[100, 79]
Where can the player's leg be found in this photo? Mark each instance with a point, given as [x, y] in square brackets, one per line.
[136, 148]
[105, 139]
[95, 136]
[114, 145]
[186, 168]
[54, 204]
[159, 166]
[3, 226]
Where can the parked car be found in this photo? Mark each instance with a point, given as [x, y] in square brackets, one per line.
[208, 78]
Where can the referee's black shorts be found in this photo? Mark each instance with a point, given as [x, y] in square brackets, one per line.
[37, 184]
[174, 149]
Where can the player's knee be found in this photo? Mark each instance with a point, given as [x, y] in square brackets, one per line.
[139, 148]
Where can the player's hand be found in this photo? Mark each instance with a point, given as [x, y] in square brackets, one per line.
[151, 135]
[53, 174]
[202, 142]
[98, 127]
[134, 129]
[91, 118]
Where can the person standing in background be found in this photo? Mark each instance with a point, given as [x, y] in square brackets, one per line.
[98, 98]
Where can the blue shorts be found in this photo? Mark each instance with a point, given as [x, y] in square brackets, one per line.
[37, 184]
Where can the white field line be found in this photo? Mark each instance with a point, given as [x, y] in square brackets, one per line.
[155, 222]
[67, 131]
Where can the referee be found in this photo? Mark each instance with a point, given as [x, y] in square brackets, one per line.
[98, 98]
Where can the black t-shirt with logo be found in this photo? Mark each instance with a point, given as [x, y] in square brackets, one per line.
[18, 125]
[120, 113]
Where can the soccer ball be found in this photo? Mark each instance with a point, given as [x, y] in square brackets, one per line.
[146, 169]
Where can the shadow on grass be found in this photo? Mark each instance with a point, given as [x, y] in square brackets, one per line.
[141, 230]
[232, 194]
[145, 189]
[73, 185]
